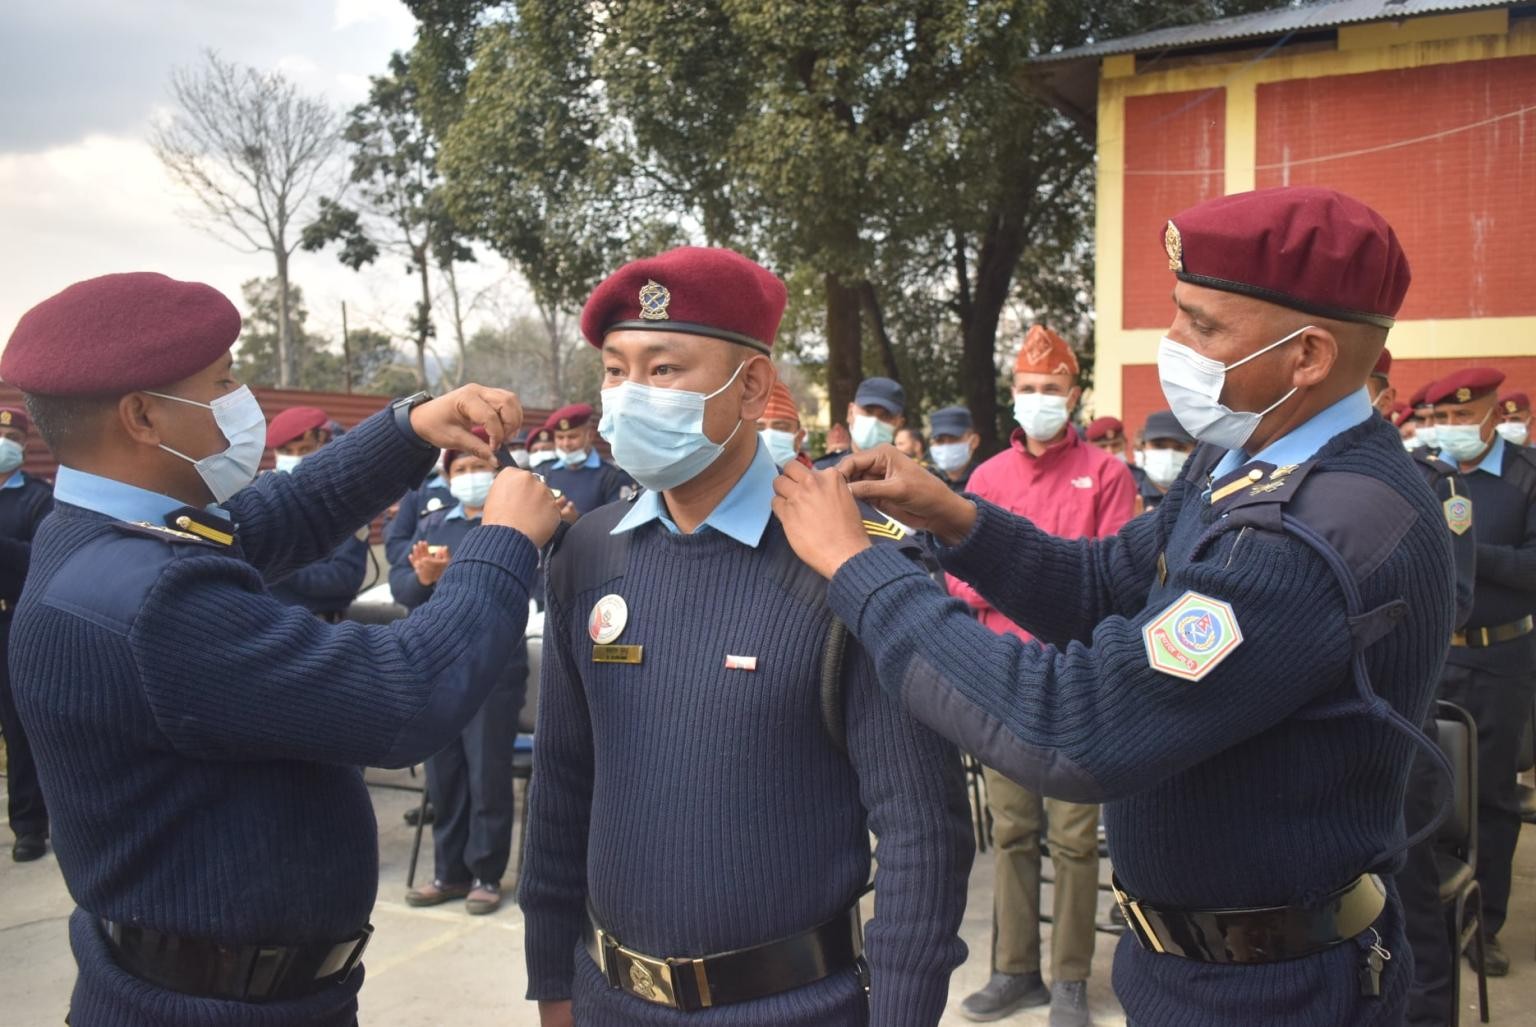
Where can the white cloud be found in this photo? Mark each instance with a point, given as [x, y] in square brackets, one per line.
[391, 13]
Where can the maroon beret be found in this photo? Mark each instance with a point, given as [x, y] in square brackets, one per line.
[693, 290]
[293, 423]
[573, 415]
[1464, 386]
[1400, 413]
[1383, 366]
[1314, 250]
[541, 435]
[1105, 428]
[15, 417]
[1417, 399]
[119, 333]
[450, 455]
[1514, 403]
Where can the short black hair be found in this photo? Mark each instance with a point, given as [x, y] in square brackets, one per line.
[65, 421]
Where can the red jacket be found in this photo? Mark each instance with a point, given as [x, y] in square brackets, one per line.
[1075, 490]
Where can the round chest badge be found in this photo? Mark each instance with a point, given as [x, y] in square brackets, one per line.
[608, 619]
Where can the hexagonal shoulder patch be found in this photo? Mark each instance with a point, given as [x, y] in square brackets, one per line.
[1192, 636]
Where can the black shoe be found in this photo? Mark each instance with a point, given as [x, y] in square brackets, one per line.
[1004, 994]
[1069, 1004]
[1495, 962]
[34, 846]
[414, 814]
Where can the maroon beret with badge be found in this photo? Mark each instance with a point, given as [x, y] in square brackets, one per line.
[692, 290]
[1313, 250]
[1514, 403]
[542, 435]
[15, 417]
[1464, 386]
[292, 423]
[1400, 413]
[450, 455]
[571, 416]
[1105, 428]
[117, 334]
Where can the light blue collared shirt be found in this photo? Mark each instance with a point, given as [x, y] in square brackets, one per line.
[1491, 463]
[457, 514]
[15, 481]
[743, 513]
[115, 498]
[1302, 443]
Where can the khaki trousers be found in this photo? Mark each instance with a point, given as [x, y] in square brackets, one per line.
[1072, 832]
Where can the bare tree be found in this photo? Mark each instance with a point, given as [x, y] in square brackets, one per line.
[255, 152]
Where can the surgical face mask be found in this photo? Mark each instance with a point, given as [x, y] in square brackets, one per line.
[1042, 417]
[542, 457]
[239, 417]
[1139, 458]
[950, 456]
[1428, 435]
[1163, 465]
[472, 487]
[1462, 442]
[869, 432]
[657, 435]
[1514, 432]
[1193, 383]
[781, 445]
[1413, 442]
[12, 453]
[520, 458]
[572, 457]
[286, 462]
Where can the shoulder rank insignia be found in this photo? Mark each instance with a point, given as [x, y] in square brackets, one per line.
[202, 525]
[891, 529]
[160, 529]
[1258, 482]
[1192, 636]
[1458, 514]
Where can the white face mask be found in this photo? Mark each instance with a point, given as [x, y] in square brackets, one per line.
[781, 445]
[1139, 458]
[572, 457]
[1462, 442]
[1413, 442]
[472, 487]
[1514, 432]
[1162, 465]
[12, 455]
[239, 417]
[950, 456]
[657, 435]
[520, 458]
[542, 457]
[869, 432]
[1042, 417]
[1193, 383]
[286, 462]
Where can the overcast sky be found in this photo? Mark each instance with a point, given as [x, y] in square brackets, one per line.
[81, 194]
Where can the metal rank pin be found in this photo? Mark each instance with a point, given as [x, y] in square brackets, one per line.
[1253, 477]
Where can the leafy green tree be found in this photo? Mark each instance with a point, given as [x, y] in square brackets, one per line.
[377, 365]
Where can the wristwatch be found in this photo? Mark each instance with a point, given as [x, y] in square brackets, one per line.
[403, 408]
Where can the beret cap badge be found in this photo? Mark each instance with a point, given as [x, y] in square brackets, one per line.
[1174, 244]
[1510, 406]
[654, 300]
[5, 417]
[1463, 394]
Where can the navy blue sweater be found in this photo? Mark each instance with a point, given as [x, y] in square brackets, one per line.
[22, 509]
[199, 741]
[1239, 790]
[329, 584]
[702, 809]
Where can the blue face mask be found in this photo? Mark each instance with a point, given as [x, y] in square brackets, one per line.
[12, 454]
[657, 435]
[781, 445]
[239, 417]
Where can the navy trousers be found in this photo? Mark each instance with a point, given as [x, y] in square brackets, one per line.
[28, 814]
[470, 783]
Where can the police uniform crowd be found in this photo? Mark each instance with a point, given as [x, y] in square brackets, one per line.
[1212, 646]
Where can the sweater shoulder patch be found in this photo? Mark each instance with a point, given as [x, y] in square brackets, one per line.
[1190, 638]
[107, 580]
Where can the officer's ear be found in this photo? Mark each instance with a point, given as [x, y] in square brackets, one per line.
[1317, 351]
[136, 415]
[757, 377]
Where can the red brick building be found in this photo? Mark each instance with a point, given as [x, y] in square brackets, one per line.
[1426, 110]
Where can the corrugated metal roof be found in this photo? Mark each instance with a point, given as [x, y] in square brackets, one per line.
[1301, 19]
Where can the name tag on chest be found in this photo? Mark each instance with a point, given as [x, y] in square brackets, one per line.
[618, 653]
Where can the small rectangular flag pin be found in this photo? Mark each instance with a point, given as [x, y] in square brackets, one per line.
[740, 662]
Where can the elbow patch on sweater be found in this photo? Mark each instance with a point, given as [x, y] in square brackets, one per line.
[931, 698]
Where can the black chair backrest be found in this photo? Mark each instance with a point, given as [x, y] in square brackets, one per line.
[528, 716]
[1457, 734]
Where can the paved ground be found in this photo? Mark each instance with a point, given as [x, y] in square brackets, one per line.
[434, 967]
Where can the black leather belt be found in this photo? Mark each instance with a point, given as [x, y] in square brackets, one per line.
[1260, 935]
[691, 984]
[242, 973]
[1482, 638]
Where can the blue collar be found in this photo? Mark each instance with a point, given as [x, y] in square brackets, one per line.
[593, 461]
[458, 514]
[1302, 443]
[17, 479]
[1491, 463]
[743, 514]
[116, 499]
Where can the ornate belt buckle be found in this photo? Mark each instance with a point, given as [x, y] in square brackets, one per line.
[644, 977]
[1131, 910]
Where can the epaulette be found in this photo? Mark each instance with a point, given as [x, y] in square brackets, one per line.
[1258, 483]
[885, 527]
[201, 524]
[164, 534]
[431, 506]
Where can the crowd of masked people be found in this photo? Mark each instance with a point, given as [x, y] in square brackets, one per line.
[673, 652]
